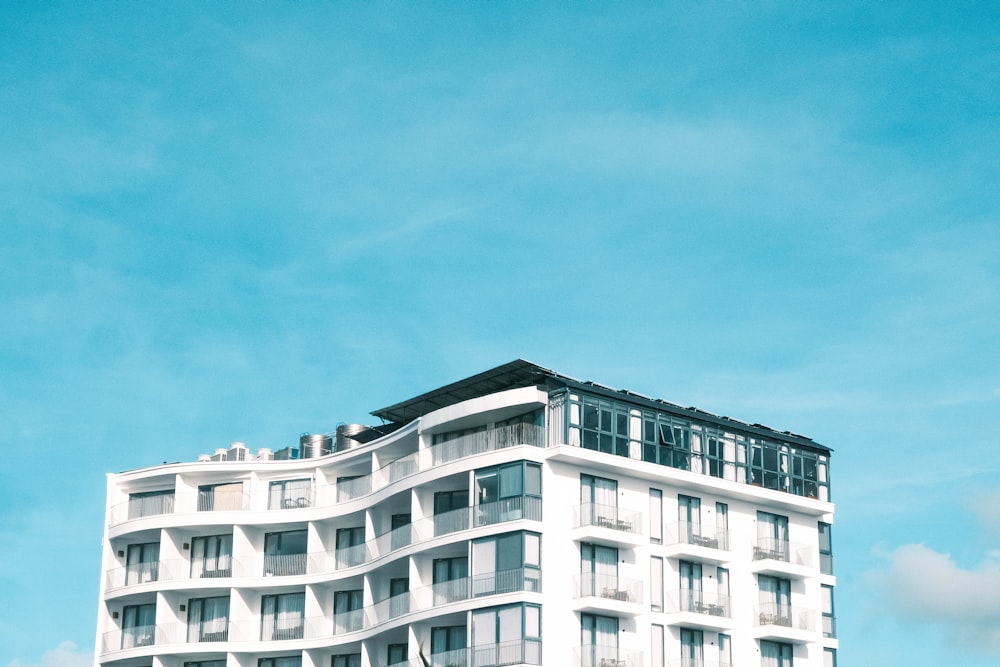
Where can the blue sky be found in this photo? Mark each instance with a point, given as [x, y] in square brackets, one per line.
[229, 222]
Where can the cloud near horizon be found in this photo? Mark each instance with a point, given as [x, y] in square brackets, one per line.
[66, 654]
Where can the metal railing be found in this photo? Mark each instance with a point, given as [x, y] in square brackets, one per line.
[608, 587]
[487, 441]
[608, 516]
[785, 615]
[208, 631]
[348, 621]
[352, 489]
[281, 565]
[351, 556]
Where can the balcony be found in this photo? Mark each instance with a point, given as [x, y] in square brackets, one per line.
[508, 509]
[348, 621]
[351, 556]
[223, 500]
[784, 622]
[351, 489]
[518, 652]
[608, 523]
[604, 593]
[128, 638]
[700, 609]
[788, 559]
[216, 630]
[697, 662]
[698, 542]
[597, 655]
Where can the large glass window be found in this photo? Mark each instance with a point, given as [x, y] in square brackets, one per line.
[829, 618]
[656, 516]
[507, 635]
[208, 619]
[692, 647]
[285, 553]
[450, 579]
[772, 537]
[598, 640]
[599, 572]
[829, 657]
[347, 611]
[725, 650]
[346, 660]
[448, 645]
[289, 494]
[142, 563]
[396, 654]
[774, 654]
[598, 501]
[138, 625]
[656, 646]
[656, 583]
[691, 590]
[689, 519]
[350, 546]
[825, 548]
[212, 556]
[282, 616]
[506, 563]
[509, 492]
[220, 497]
[775, 600]
[721, 526]
[451, 511]
[281, 661]
[150, 503]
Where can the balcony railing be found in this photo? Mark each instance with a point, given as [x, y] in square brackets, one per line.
[282, 629]
[351, 489]
[701, 602]
[134, 637]
[608, 516]
[208, 631]
[785, 615]
[697, 662]
[609, 587]
[518, 652]
[348, 621]
[684, 532]
[351, 556]
[769, 548]
[508, 509]
[598, 655]
[280, 565]
[223, 501]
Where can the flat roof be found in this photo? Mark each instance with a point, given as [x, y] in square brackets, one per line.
[520, 373]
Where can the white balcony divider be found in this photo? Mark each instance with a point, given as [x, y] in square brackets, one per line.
[700, 602]
[608, 516]
[608, 587]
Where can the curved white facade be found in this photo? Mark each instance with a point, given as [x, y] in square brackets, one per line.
[480, 534]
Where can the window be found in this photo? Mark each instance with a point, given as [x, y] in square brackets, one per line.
[725, 650]
[212, 556]
[289, 494]
[450, 584]
[598, 501]
[142, 563]
[722, 525]
[150, 503]
[691, 590]
[206, 663]
[689, 519]
[722, 589]
[507, 635]
[282, 616]
[138, 625]
[829, 619]
[598, 639]
[347, 611]
[346, 660]
[599, 572]
[506, 563]
[692, 647]
[773, 654]
[829, 657]
[282, 661]
[715, 455]
[350, 546]
[825, 548]
[208, 619]
[656, 648]
[656, 583]
[447, 639]
[775, 601]
[509, 492]
[605, 426]
[396, 654]
[399, 601]
[656, 516]
[772, 537]
[398, 527]
[450, 511]
[285, 553]
[220, 497]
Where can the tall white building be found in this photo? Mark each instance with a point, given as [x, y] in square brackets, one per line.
[517, 517]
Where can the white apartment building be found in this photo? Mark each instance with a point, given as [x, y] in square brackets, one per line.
[517, 517]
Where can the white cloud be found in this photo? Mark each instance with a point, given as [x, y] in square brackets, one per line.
[925, 585]
[66, 654]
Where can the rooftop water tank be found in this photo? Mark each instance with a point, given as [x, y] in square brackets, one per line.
[344, 433]
[314, 445]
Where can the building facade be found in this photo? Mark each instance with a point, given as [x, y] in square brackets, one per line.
[517, 517]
